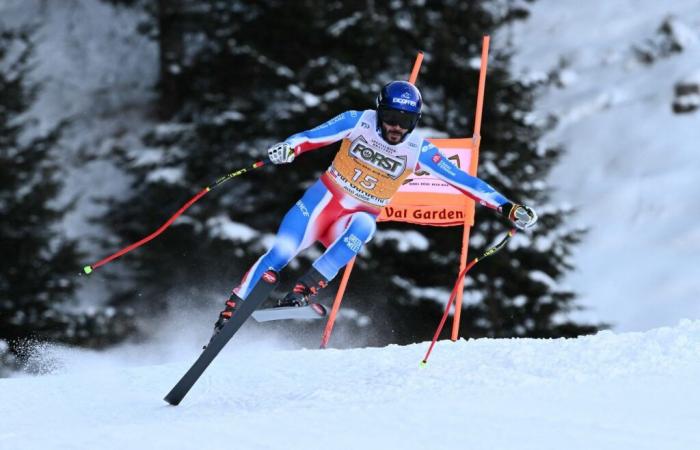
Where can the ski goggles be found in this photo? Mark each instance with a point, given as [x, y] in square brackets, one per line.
[405, 120]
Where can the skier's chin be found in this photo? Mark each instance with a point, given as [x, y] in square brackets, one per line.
[394, 137]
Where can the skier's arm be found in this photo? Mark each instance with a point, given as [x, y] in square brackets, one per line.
[435, 162]
[432, 160]
[328, 132]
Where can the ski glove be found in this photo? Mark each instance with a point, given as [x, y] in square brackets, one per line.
[521, 216]
[281, 153]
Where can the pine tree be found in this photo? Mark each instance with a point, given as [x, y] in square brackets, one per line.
[247, 74]
[38, 266]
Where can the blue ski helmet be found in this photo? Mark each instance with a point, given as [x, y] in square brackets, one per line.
[402, 97]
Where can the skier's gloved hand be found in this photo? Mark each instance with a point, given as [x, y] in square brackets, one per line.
[281, 153]
[521, 216]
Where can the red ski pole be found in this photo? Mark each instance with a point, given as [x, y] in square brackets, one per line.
[89, 268]
[458, 285]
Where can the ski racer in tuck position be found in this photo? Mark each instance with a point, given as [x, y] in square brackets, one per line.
[340, 210]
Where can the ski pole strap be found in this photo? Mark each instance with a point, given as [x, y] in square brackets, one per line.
[88, 269]
[458, 285]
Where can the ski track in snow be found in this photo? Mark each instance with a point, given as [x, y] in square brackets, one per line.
[608, 391]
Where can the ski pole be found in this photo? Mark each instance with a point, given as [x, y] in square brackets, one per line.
[458, 284]
[89, 268]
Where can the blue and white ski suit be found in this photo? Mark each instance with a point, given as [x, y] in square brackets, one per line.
[340, 210]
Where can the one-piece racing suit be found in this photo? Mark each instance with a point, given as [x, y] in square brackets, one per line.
[340, 210]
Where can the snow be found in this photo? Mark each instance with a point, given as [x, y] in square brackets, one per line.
[608, 391]
[339, 27]
[223, 227]
[406, 241]
[683, 35]
[96, 71]
[229, 116]
[171, 175]
[693, 78]
[309, 99]
[438, 294]
[90, 56]
[615, 116]
[637, 268]
[631, 164]
[538, 275]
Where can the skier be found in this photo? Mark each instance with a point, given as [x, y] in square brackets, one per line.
[340, 210]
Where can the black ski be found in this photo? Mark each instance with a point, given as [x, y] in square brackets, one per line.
[260, 292]
[309, 312]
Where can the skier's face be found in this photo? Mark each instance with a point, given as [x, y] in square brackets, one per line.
[395, 123]
[394, 133]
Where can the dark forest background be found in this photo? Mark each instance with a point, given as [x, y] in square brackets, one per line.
[235, 77]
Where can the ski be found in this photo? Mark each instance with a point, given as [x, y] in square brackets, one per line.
[309, 312]
[260, 292]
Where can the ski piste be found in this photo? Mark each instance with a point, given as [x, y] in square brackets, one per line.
[260, 292]
[309, 312]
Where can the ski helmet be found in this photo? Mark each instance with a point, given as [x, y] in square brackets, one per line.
[399, 103]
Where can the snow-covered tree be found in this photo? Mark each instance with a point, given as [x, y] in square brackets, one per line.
[38, 264]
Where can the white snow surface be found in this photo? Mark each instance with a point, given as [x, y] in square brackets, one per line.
[609, 391]
[632, 164]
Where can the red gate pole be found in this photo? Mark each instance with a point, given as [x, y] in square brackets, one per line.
[475, 159]
[336, 303]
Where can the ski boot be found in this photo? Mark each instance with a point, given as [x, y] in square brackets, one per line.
[304, 290]
[230, 308]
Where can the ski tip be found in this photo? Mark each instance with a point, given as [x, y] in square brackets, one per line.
[171, 401]
[87, 270]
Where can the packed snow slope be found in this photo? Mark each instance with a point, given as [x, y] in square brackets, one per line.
[609, 391]
[615, 75]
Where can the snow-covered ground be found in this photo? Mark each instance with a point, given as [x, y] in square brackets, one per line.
[612, 391]
[632, 163]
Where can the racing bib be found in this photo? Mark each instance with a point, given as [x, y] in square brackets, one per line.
[368, 174]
